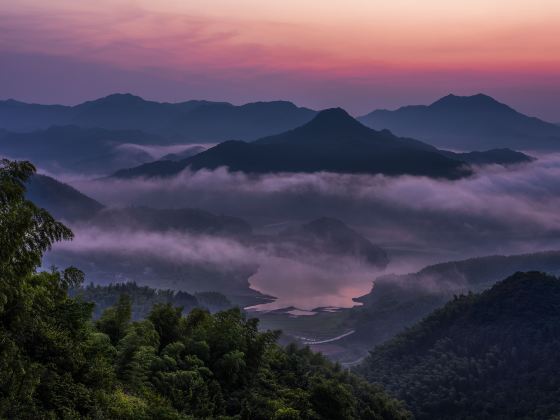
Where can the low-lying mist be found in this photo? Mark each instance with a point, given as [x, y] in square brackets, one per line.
[298, 277]
[418, 220]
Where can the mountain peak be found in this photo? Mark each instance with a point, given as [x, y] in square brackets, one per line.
[328, 126]
[478, 100]
[336, 113]
[118, 99]
[335, 119]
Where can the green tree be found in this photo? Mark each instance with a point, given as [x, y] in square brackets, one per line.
[114, 321]
[45, 336]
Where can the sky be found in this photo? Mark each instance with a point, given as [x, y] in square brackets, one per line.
[358, 54]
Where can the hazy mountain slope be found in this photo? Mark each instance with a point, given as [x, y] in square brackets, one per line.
[398, 301]
[333, 141]
[21, 116]
[487, 356]
[175, 122]
[76, 149]
[493, 156]
[60, 199]
[331, 236]
[188, 220]
[187, 153]
[468, 123]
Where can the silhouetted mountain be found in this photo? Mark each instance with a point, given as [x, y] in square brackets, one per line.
[494, 156]
[333, 141]
[487, 356]
[61, 200]
[182, 121]
[331, 236]
[468, 123]
[222, 121]
[21, 116]
[75, 149]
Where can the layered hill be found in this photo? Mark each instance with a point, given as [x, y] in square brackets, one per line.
[396, 302]
[77, 149]
[61, 200]
[476, 122]
[487, 356]
[182, 121]
[333, 141]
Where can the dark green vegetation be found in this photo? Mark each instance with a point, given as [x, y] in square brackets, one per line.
[495, 355]
[143, 298]
[468, 123]
[56, 363]
[195, 221]
[192, 120]
[397, 302]
[333, 141]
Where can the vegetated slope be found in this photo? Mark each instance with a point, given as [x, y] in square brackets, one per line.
[331, 236]
[489, 356]
[399, 301]
[62, 200]
[143, 299]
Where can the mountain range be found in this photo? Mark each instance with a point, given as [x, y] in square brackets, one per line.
[476, 122]
[200, 121]
[468, 123]
[332, 141]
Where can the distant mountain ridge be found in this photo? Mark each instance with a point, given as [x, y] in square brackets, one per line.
[332, 141]
[78, 149]
[468, 123]
[194, 120]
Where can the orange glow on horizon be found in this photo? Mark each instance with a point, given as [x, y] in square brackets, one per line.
[473, 44]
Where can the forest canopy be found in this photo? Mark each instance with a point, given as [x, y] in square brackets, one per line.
[485, 356]
[57, 362]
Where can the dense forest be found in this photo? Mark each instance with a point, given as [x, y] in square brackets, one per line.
[143, 298]
[494, 355]
[56, 362]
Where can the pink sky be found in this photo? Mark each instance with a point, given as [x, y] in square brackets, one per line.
[359, 54]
